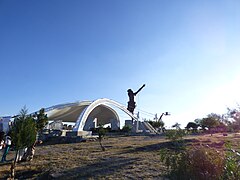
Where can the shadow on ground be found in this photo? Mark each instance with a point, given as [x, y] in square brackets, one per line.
[106, 166]
[156, 147]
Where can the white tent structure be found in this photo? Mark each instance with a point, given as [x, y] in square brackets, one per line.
[85, 114]
[5, 123]
[90, 114]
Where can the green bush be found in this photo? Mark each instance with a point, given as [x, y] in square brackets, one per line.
[195, 163]
[101, 134]
[126, 128]
[175, 134]
[232, 164]
[23, 132]
[156, 124]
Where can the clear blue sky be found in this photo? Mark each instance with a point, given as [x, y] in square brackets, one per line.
[58, 51]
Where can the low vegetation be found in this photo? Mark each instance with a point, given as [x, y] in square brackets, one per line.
[131, 157]
[194, 163]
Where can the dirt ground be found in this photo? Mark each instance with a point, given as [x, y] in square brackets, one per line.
[126, 157]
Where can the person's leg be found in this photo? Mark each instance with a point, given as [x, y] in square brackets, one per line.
[5, 153]
[8, 148]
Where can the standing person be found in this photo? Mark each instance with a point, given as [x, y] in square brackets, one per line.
[8, 143]
[1, 144]
[1, 140]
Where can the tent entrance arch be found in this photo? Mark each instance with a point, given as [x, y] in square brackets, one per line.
[81, 121]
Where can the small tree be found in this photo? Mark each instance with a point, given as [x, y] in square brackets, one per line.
[101, 134]
[23, 134]
[210, 122]
[234, 116]
[161, 125]
[175, 135]
[192, 125]
[199, 123]
[126, 128]
[41, 121]
[157, 124]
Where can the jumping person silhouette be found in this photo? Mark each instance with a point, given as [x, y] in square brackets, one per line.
[131, 102]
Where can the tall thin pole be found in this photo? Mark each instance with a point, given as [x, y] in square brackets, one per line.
[137, 122]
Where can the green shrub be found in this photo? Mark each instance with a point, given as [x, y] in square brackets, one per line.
[175, 134]
[23, 135]
[156, 124]
[101, 134]
[23, 132]
[232, 164]
[126, 128]
[195, 163]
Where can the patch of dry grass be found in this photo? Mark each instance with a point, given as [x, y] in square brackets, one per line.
[132, 157]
